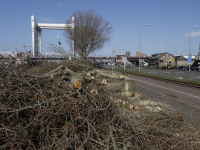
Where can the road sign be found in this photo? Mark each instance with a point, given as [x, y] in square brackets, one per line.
[189, 59]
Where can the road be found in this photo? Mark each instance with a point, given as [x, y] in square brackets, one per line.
[185, 94]
[172, 73]
[185, 99]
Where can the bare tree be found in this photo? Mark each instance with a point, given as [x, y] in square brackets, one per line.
[57, 49]
[91, 32]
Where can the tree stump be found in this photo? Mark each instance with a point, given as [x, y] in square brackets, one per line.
[128, 88]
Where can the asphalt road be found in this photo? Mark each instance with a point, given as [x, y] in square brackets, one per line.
[184, 99]
[179, 74]
[185, 94]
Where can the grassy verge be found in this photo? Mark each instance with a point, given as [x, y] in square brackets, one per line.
[156, 76]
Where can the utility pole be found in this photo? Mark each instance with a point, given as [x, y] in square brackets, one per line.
[189, 45]
[24, 48]
[139, 43]
[24, 52]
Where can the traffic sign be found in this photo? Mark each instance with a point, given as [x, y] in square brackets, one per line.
[189, 59]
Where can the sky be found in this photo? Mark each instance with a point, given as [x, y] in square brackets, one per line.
[169, 22]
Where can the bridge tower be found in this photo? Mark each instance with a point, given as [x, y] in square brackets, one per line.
[37, 33]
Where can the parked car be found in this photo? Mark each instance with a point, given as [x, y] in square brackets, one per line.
[98, 65]
[163, 67]
[145, 65]
[18, 61]
[196, 68]
[180, 68]
[187, 68]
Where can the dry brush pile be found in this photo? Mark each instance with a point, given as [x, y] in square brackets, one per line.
[68, 106]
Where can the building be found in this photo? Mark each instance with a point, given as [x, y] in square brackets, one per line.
[22, 54]
[161, 59]
[101, 59]
[199, 50]
[119, 58]
[141, 55]
[128, 54]
[197, 57]
[183, 60]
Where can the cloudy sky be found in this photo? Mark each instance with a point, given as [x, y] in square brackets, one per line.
[169, 22]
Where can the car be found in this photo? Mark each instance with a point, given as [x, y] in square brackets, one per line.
[98, 65]
[163, 67]
[145, 65]
[180, 67]
[18, 61]
[196, 68]
[187, 68]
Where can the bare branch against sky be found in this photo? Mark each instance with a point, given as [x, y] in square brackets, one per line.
[91, 32]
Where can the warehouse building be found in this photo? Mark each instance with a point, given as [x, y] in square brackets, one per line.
[161, 59]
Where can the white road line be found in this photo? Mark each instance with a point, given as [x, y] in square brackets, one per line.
[167, 88]
[164, 87]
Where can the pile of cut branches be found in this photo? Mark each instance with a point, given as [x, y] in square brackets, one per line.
[67, 106]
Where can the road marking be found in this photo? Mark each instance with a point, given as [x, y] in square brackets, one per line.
[167, 88]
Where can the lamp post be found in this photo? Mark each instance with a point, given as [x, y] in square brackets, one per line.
[119, 50]
[189, 43]
[139, 44]
[112, 61]
[166, 61]
[112, 55]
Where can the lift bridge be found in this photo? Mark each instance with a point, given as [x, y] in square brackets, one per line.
[37, 41]
[37, 34]
[52, 57]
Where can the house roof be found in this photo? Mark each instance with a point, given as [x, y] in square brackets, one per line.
[159, 55]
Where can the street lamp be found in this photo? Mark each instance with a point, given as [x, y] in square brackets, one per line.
[119, 50]
[139, 44]
[166, 47]
[112, 55]
[189, 43]
[112, 61]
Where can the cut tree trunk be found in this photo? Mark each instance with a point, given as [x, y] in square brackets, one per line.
[115, 86]
[114, 76]
[128, 88]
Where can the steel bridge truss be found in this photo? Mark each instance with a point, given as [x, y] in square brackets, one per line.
[37, 34]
